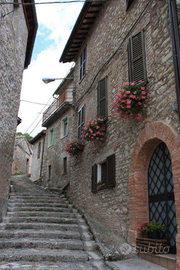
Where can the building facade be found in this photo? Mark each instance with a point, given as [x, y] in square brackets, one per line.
[124, 41]
[18, 26]
[58, 119]
[22, 156]
[38, 143]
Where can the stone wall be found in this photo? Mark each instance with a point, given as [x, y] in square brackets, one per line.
[110, 34]
[13, 40]
[22, 156]
[37, 161]
[54, 154]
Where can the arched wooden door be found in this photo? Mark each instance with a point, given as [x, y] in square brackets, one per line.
[161, 193]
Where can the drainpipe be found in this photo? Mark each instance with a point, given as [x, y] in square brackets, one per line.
[42, 157]
[175, 39]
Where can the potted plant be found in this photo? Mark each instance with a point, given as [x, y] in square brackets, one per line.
[75, 148]
[154, 230]
[94, 131]
[130, 100]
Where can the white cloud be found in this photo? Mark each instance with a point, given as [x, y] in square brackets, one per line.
[59, 20]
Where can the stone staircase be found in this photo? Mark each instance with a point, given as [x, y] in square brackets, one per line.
[42, 230]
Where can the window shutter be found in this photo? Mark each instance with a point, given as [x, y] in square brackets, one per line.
[137, 58]
[102, 98]
[94, 178]
[111, 171]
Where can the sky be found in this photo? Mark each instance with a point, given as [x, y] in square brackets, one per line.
[55, 22]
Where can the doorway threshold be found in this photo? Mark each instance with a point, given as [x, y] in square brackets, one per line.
[167, 261]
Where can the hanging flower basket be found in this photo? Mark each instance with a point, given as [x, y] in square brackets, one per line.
[75, 148]
[94, 131]
[130, 101]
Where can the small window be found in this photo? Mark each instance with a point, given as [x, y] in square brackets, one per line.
[83, 62]
[81, 120]
[51, 137]
[65, 126]
[39, 150]
[137, 58]
[49, 172]
[65, 165]
[104, 174]
[102, 107]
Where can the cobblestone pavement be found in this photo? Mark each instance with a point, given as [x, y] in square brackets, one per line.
[42, 230]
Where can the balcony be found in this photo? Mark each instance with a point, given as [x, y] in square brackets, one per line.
[57, 108]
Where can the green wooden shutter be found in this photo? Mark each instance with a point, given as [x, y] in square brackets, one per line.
[137, 58]
[94, 178]
[102, 108]
[111, 171]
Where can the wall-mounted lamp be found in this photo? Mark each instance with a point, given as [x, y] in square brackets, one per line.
[49, 80]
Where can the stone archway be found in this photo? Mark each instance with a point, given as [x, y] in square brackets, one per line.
[148, 140]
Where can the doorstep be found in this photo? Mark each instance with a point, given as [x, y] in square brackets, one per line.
[167, 261]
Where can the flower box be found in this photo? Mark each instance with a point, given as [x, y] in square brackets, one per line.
[130, 100]
[94, 131]
[75, 148]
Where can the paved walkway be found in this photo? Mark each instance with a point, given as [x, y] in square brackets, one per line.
[134, 264]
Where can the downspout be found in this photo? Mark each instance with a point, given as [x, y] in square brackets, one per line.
[42, 157]
[175, 39]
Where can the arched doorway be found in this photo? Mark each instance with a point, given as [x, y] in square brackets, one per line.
[161, 193]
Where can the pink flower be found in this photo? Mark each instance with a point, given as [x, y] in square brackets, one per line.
[133, 83]
[143, 92]
[149, 95]
[125, 83]
[129, 106]
[128, 101]
[143, 88]
[128, 92]
[140, 81]
[143, 97]
[135, 93]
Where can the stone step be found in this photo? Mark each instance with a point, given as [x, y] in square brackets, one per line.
[39, 200]
[47, 234]
[39, 255]
[45, 266]
[39, 208]
[35, 195]
[41, 219]
[41, 243]
[32, 196]
[39, 226]
[39, 214]
[35, 204]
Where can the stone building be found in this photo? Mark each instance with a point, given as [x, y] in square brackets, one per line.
[58, 119]
[18, 26]
[38, 143]
[22, 156]
[114, 42]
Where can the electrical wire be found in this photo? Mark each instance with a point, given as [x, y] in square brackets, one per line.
[34, 102]
[54, 2]
[38, 117]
